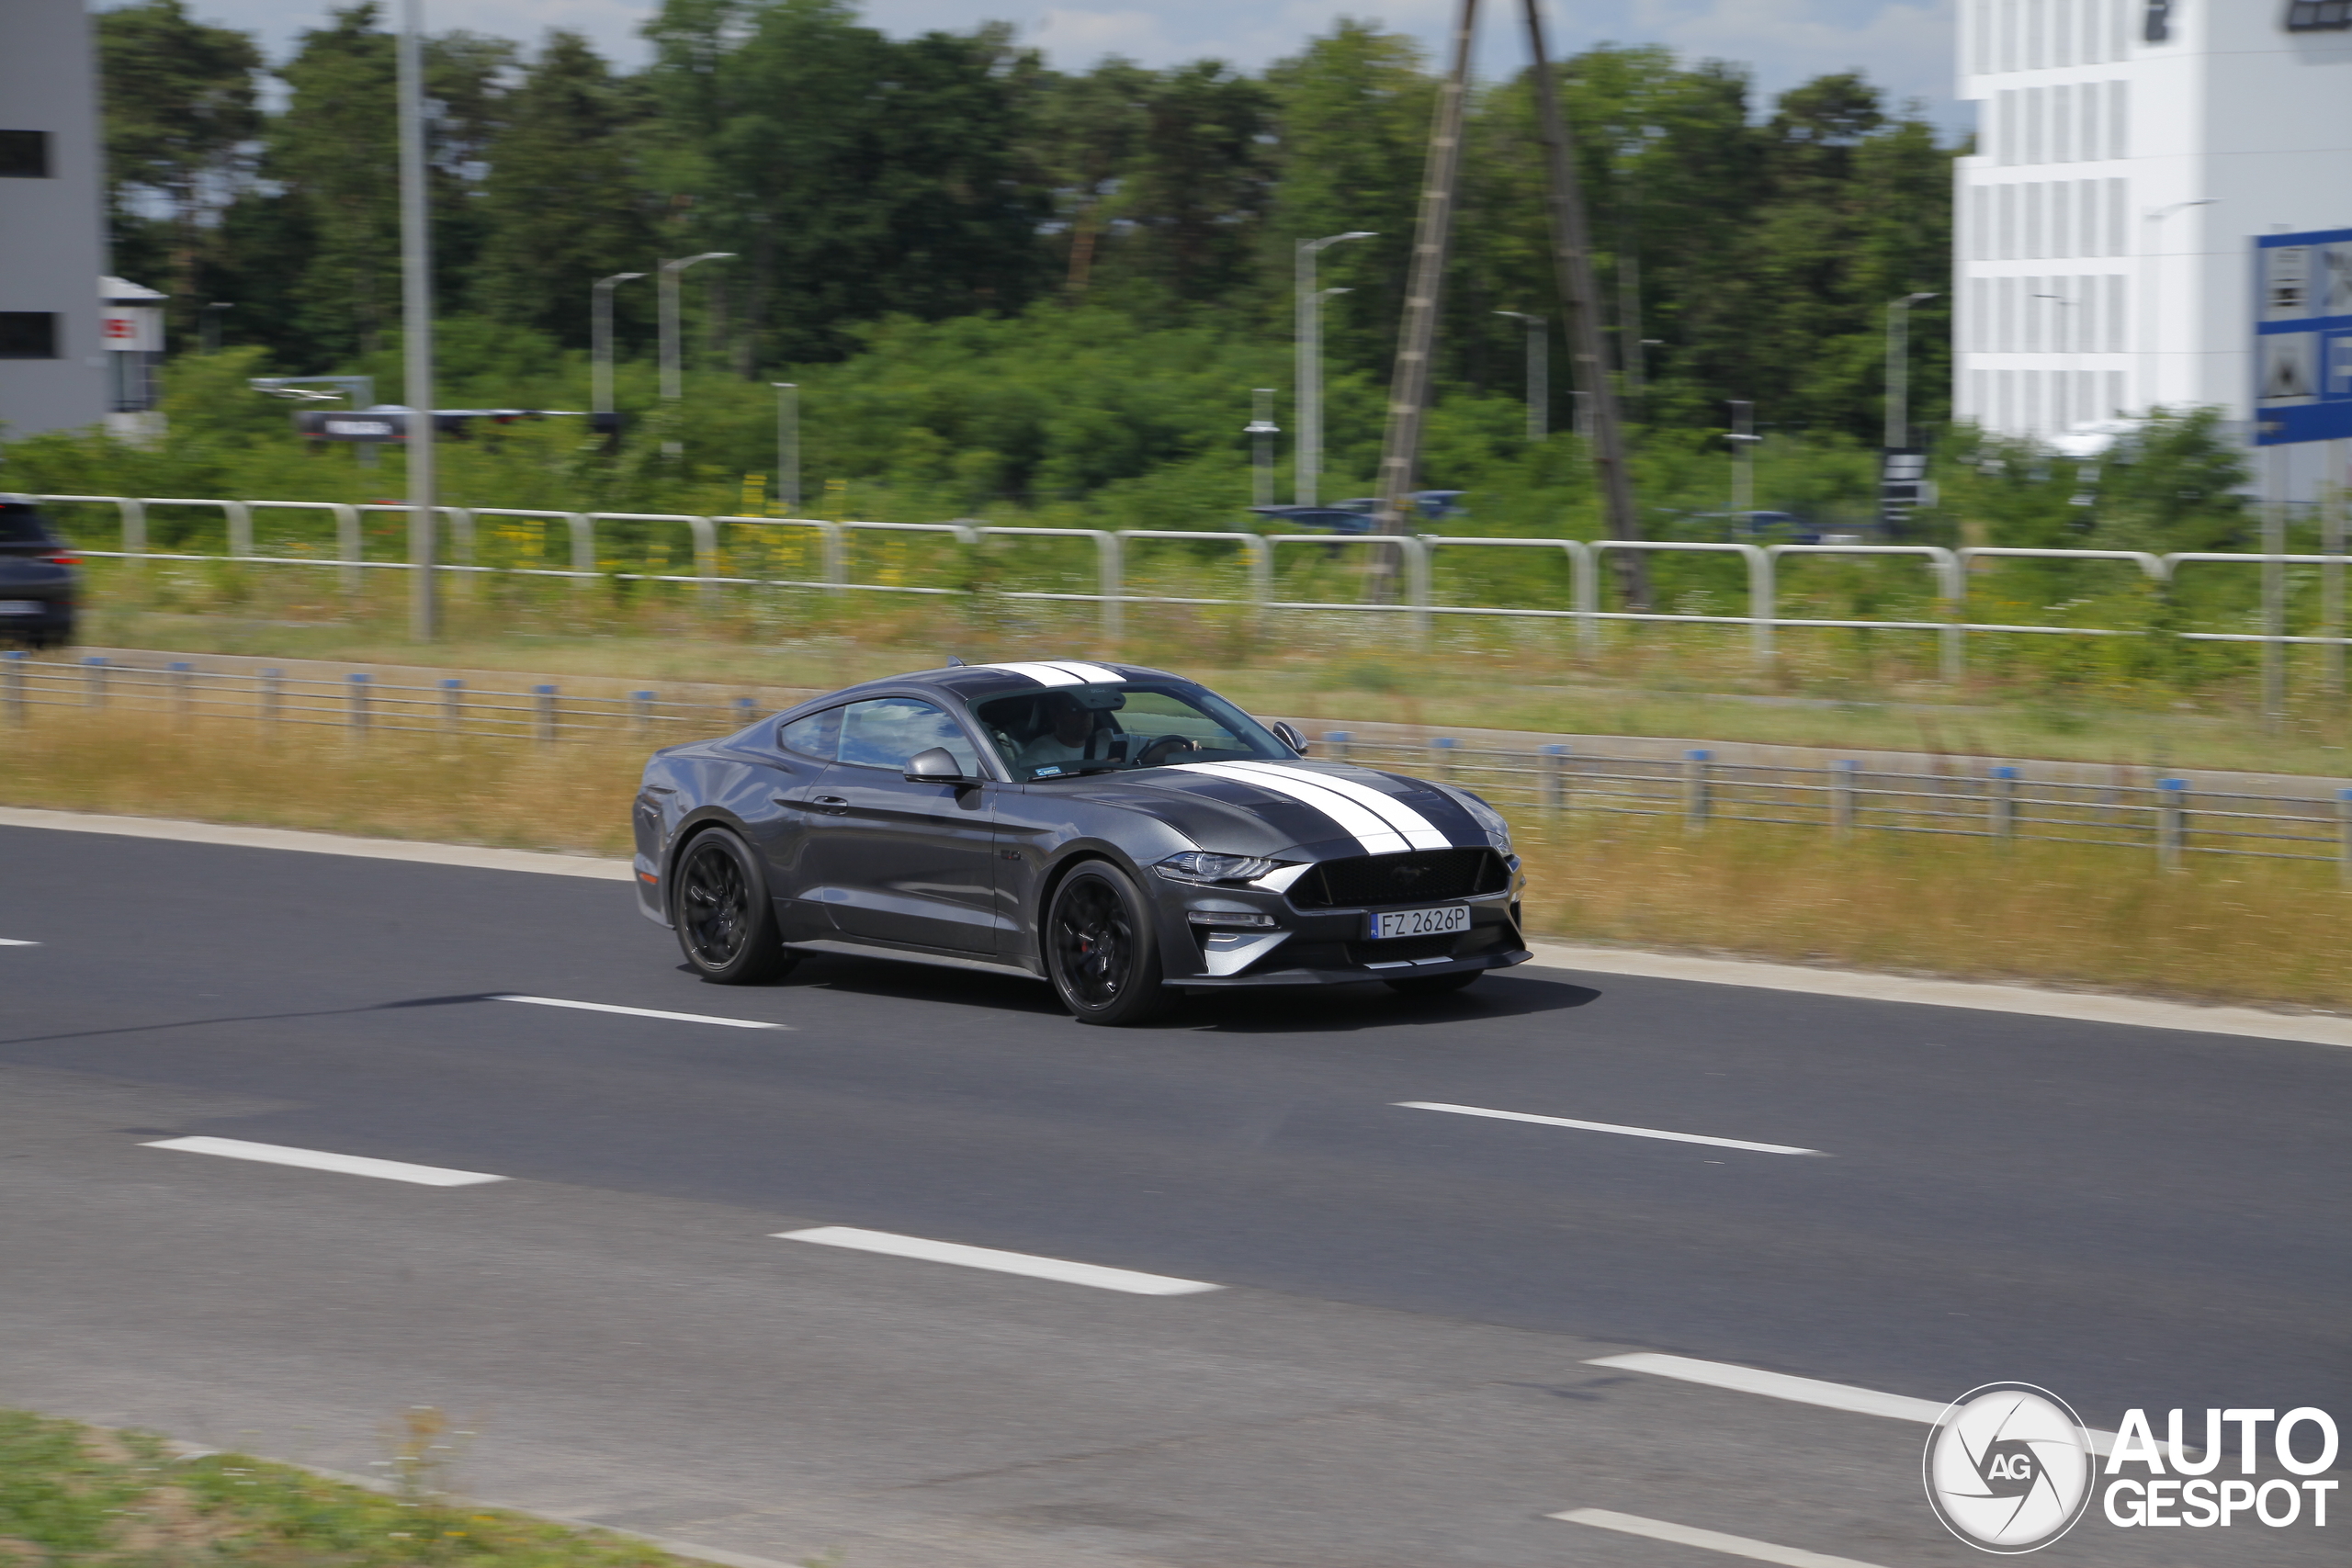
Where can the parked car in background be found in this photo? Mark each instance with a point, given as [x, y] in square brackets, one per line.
[39, 587]
[1355, 516]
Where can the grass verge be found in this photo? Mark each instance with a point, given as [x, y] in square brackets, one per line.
[2047, 913]
[72, 1496]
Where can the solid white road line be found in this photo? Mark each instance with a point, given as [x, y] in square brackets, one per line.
[1713, 1540]
[1069, 1273]
[643, 1012]
[1610, 1127]
[474, 856]
[17, 941]
[318, 1159]
[1802, 1390]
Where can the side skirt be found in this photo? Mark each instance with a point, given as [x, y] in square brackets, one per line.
[913, 955]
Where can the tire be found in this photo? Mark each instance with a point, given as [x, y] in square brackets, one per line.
[1434, 985]
[1101, 950]
[725, 921]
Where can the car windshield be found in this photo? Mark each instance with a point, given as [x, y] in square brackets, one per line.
[1070, 730]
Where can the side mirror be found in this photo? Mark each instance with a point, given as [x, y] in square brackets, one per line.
[1287, 733]
[937, 765]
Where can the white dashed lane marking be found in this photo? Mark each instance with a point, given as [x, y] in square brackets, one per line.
[1801, 1390]
[318, 1160]
[17, 941]
[1066, 1273]
[643, 1012]
[1610, 1127]
[1712, 1541]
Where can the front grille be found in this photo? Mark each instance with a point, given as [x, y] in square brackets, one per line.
[1421, 877]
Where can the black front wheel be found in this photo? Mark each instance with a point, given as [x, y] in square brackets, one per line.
[1100, 948]
[726, 923]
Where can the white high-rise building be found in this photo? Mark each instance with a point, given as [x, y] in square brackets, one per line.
[52, 359]
[2128, 152]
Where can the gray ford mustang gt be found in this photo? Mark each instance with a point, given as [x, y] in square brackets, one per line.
[1120, 831]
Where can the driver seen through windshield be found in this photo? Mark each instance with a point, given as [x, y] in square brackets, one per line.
[1085, 730]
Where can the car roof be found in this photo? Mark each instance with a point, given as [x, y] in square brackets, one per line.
[976, 683]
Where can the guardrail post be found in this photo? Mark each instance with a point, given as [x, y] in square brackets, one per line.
[182, 709]
[2344, 838]
[1110, 579]
[1763, 604]
[706, 535]
[1842, 798]
[543, 702]
[1554, 777]
[1444, 747]
[2001, 803]
[1695, 802]
[1339, 743]
[1951, 641]
[97, 694]
[241, 527]
[2172, 809]
[640, 712]
[349, 545]
[271, 702]
[134, 525]
[1584, 597]
[461, 535]
[1262, 574]
[583, 549]
[836, 539]
[12, 665]
[1416, 583]
[453, 704]
[356, 684]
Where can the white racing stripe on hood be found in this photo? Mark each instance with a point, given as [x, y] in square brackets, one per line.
[1418, 829]
[1371, 832]
[1061, 673]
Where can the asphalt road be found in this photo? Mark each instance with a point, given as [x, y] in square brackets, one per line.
[1398, 1369]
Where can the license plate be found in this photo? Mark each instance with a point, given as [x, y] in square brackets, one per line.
[21, 606]
[1436, 922]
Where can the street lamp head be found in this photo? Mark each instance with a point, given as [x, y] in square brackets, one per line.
[784, 386]
[617, 278]
[685, 262]
[1924, 294]
[1312, 245]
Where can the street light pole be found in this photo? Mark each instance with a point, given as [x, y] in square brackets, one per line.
[673, 374]
[209, 326]
[600, 346]
[1743, 457]
[416, 324]
[1539, 374]
[1309, 461]
[787, 443]
[1262, 430]
[1899, 369]
[2153, 265]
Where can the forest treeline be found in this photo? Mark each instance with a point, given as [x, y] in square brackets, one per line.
[858, 178]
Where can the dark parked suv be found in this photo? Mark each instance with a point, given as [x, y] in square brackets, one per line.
[37, 583]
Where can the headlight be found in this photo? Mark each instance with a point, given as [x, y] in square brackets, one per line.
[1199, 866]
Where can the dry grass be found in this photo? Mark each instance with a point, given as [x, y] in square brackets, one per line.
[2246, 930]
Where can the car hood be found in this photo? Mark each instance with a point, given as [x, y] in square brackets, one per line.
[1304, 809]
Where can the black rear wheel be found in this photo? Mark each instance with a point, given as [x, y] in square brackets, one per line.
[1100, 948]
[726, 926]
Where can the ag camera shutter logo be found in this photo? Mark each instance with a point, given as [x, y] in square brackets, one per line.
[2010, 1468]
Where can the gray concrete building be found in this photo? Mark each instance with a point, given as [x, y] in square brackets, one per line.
[54, 364]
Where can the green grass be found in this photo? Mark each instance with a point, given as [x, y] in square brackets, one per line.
[72, 1496]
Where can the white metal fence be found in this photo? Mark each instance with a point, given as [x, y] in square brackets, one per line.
[1949, 571]
[2170, 818]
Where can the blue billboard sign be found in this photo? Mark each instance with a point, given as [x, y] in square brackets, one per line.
[2303, 337]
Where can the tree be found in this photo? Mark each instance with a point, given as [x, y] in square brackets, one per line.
[180, 117]
[565, 201]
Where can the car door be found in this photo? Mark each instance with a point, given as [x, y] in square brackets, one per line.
[897, 860]
[792, 819]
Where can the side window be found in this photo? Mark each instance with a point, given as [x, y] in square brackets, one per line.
[883, 732]
[816, 735]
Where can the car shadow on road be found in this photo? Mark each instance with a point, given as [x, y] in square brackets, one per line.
[1328, 1009]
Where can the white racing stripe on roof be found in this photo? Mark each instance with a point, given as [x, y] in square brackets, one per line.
[1044, 674]
[1418, 829]
[1093, 674]
[1371, 832]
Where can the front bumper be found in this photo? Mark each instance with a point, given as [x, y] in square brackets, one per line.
[1321, 946]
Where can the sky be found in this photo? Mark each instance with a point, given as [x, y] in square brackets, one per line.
[1905, 46]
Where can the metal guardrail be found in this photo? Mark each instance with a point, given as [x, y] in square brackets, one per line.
[1949, 570]
[2170, 818]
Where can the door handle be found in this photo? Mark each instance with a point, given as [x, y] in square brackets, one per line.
[828, 803]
